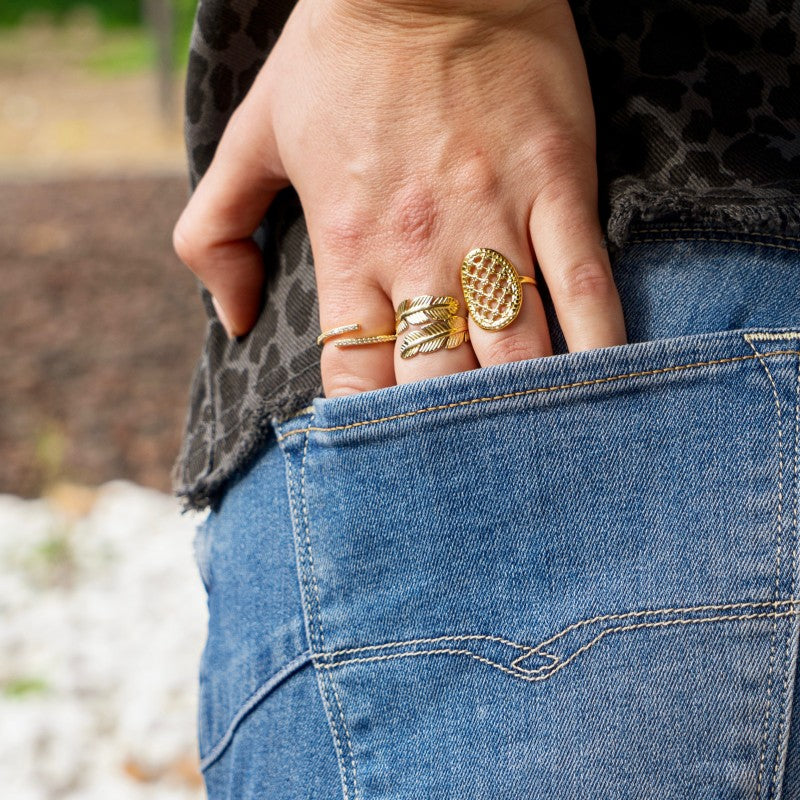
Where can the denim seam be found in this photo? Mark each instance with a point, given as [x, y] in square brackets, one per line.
[251, 702]
[787, 653]
[537, 390]
[779, 547]
[307, 527]
[556, 663]
[745, 237]
[639, 240]
[310, 617]
[305, 567]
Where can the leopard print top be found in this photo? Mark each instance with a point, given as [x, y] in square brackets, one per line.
[698, 119]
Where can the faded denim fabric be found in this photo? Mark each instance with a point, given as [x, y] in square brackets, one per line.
[568, 577]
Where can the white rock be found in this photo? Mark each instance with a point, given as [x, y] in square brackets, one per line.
[103, 623]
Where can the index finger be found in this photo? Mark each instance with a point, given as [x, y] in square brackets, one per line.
[213, 235]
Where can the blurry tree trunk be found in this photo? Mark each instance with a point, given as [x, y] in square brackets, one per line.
[160, 18]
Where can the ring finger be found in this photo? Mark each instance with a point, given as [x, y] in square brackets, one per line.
[507, 318]
[432, 327]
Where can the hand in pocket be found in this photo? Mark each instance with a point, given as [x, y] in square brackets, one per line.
[414, 133]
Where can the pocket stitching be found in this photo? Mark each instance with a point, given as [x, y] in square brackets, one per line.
[306, 565]
[536, 390]
[750, 338]
[556, 663]
[638, 240]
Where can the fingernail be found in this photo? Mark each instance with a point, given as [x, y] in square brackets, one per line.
[223, 318]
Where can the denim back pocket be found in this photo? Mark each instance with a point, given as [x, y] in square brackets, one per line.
[543, 552]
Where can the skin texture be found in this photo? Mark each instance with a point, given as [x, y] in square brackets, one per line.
[413, 132]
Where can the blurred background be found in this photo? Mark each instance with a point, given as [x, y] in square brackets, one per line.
[101, 612]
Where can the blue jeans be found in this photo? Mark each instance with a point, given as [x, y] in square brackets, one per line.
[568, 577]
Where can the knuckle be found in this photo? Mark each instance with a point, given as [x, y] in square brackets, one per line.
[559, 145]
[185, 244]
[346, 235]
[477, 179]
[413, 220]
[513, 347]
[563, 166]
[587, 280]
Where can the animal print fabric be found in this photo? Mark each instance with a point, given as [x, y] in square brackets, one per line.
[697, 105]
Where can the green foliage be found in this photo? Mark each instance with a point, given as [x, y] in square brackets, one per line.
[114, 14]
[109, 12]
[123, 52]
[54, 552]
[127, 45]
[22, 686]
[184, 17]
[51, 561]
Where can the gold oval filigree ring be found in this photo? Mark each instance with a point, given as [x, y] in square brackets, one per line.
[492, 288]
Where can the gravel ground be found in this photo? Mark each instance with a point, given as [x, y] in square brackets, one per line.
[103, 624]
[103, 613]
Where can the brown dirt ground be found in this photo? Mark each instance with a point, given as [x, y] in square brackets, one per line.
[100, 324]
[100, 328]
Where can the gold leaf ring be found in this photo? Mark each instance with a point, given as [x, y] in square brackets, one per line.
[441, 326]
[425, 308]
[438, 335]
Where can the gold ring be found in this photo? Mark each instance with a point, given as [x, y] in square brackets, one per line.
[492, 288]
[441, 334]
[425, 308]
[442, 328]
[353, 341]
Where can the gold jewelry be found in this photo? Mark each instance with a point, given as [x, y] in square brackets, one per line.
[440, 334]
[492, 288]
[353, 341]
[425, 308]
[442, 327]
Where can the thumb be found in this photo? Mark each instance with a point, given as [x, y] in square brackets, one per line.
[213, 235]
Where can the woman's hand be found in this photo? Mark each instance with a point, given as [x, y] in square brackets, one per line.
[414, 132]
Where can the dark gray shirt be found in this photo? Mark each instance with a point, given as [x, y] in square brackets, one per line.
[697, 105]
